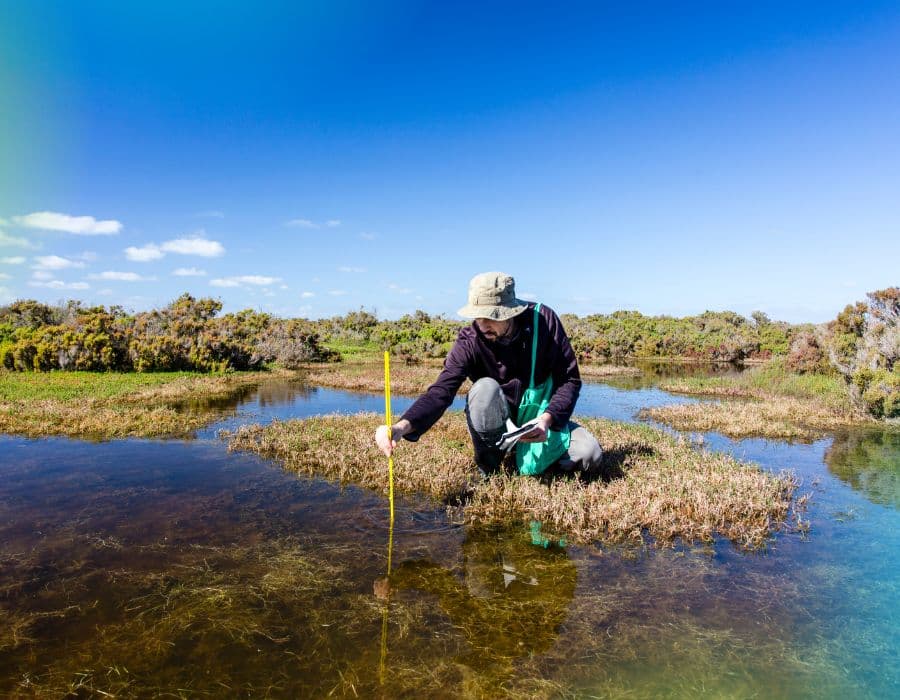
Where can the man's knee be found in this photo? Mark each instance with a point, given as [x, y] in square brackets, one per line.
[486, 407]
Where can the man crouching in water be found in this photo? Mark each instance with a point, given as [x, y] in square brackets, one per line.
[523, 368]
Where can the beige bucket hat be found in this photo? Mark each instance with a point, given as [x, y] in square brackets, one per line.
[492, 295]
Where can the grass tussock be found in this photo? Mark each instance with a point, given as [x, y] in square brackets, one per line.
[366, 373]
[779, 417]
[601, 371]
[111, 405]
[653, 484]
[766, 401]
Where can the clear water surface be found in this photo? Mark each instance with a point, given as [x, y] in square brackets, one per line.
[141, 568]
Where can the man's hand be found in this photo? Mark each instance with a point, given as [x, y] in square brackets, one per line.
[386, 437]
[539, 433]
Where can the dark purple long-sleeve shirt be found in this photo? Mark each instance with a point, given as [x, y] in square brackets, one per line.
[474, 357]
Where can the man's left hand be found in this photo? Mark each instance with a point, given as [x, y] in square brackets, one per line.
[539, 433]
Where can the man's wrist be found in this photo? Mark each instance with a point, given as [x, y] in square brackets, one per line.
[400, 428]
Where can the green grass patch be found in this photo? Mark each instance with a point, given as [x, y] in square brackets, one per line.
[68, 386]
[768, 381]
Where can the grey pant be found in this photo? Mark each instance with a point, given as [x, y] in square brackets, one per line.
[486, 414]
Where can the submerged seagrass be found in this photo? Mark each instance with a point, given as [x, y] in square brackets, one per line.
[652, 482]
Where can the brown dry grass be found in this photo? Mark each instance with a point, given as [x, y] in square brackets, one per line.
[770, 416]
[146, 412]
[654, 484]
[367, 374]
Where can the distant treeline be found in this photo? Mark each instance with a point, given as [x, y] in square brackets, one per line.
[862, 344]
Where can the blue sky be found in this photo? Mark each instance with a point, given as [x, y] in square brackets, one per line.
[308, 159]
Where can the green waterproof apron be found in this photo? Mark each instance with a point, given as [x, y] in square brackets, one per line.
[534, 457]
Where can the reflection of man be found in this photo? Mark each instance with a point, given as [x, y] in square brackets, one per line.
[512, 600]
[522, 366]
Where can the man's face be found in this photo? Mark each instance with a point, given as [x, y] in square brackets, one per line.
[493, 330]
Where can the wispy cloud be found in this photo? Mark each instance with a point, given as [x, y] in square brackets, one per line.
[308, 223]
[366, 236]
[54, 262]
[115, 276]
[145, 253]
[307, 295]
[7, 241]
[59, 284]
[194, 245]
[337, 292]
[400, 290]
[13, 260]
[301, 223]
[210, 214]
[4, 276]
[241, 280]
[42, 275]
[79, 225]
[188, 272]
[347, 268]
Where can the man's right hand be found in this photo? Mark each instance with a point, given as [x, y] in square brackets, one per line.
[386, 437]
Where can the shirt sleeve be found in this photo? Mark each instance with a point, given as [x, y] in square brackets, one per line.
[564, 369]
[430, 406]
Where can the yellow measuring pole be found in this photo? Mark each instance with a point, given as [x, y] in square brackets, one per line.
[389, 422]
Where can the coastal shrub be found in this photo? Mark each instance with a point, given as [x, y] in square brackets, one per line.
[418, 336]
[863, 344]
[291, 343]
[806, 355]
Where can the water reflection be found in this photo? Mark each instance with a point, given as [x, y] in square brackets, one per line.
[509, 599]
[869, 461]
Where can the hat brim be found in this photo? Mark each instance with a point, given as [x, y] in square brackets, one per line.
[495, 313]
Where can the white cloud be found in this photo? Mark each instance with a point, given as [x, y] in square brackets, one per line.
[301, 223]
[225, 282]
[282, 286]
[13, 260]
[54, 262]
[42, 275]
[145, 253]
[59, 284]
[307, 295]
[337, 292]
[347, 268]
[4, 276]
[188, 272]
[366, 236]
[80, 225]
[194, 245]
[333, 223]
[120, 276]
[397, 288]
[237, 281]
[7, 241]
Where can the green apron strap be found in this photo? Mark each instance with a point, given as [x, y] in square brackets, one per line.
[537, 308]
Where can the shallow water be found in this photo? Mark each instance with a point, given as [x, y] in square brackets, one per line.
[140, 567]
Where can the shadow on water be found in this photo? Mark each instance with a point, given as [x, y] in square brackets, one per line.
[869, 461]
